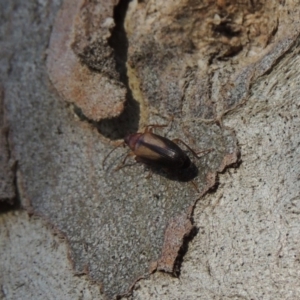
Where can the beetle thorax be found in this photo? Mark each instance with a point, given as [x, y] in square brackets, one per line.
[132, 139]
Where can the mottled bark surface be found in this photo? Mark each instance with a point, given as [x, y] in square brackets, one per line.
[227, 73]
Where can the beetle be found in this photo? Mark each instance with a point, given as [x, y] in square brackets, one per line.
[153, 149]
[159, 152]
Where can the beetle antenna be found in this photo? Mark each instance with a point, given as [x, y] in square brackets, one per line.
[110, 152]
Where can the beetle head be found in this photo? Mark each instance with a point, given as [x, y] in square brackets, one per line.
[132, 139]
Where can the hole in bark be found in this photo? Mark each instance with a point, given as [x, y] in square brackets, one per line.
[227, 29]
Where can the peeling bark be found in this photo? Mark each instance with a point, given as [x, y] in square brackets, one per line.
[227, 74]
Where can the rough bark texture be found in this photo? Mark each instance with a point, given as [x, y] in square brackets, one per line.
[99, 95]
[248, 241]
[226, 72]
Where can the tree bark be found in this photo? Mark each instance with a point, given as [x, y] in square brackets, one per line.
[77, 77]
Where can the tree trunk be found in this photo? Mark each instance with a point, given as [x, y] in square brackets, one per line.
[77, 77]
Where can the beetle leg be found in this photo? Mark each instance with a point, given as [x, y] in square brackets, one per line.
[127, 155]
[196, 154]
[140, 160]
[149, 128]
[110, 152]
[149, 174]
[122, 165]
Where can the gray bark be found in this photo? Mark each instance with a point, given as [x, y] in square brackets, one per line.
[94, 231]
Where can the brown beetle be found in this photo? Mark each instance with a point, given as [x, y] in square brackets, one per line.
[153, 149]
[161, 153]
